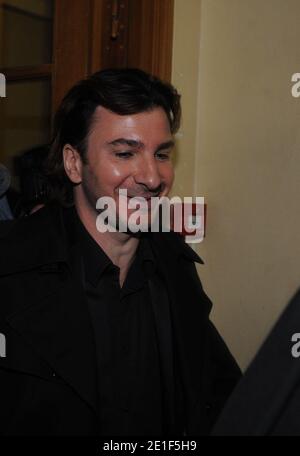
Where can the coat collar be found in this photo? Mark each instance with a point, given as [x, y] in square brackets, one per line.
[174, 246]
[33, 241]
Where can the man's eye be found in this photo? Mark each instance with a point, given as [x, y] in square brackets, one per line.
[163, 156]
[124, 154]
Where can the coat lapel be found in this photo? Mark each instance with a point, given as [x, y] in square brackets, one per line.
[190, 308]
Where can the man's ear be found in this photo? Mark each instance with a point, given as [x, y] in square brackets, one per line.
[72, 164]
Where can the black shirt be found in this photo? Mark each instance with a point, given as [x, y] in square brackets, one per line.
[132, 400]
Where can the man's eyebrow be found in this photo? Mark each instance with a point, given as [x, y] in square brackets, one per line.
[139, 144]
[126, 142]
[166, 145]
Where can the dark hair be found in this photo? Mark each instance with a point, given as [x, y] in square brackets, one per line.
[122, 91]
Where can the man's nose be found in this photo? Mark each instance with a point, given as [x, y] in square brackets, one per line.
[148, 174]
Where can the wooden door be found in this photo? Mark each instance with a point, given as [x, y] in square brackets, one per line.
[94, 34]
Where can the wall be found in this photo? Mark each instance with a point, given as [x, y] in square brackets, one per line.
[186, 44]
[242, 154]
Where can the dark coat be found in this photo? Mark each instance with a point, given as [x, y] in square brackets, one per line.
[267, 399]
[48, 377]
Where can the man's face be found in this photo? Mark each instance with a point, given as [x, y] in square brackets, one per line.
[131, 152]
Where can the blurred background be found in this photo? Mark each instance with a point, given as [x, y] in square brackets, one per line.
[232, 61]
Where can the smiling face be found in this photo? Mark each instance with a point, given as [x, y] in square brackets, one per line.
[131, 152]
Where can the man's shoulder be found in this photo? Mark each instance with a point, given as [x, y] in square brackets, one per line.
[30, 241]
[30, 225]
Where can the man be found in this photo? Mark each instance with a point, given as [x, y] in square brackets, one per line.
[108, 333]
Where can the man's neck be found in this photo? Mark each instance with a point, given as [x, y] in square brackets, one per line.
[119, 247]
